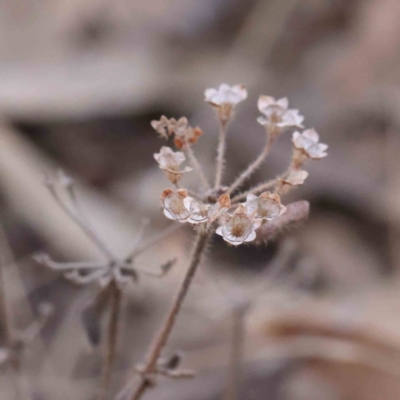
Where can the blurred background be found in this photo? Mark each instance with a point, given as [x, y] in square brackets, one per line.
[80, 82]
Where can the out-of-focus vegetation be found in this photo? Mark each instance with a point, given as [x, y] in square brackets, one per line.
[80, 82]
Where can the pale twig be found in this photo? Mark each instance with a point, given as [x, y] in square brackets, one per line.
[219, 168]
[112, 338]
[196, 166]
[76, 277]
[162, 336]
[84, 227]
[246, 174]
[164, 269]
[45, 259]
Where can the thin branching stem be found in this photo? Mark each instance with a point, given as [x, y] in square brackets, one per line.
[196, 166]
[112, 338]
[261, 187]
[162, 336]
[84, 227]
[246, 174]
[220, 163]
[67, 266]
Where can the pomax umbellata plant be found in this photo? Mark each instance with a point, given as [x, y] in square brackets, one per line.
[222, 209]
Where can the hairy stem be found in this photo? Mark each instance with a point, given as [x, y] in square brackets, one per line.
[162, 336]
[246, 174]
[196, 165]
[112, 338]
[261, 187]
[220, 154]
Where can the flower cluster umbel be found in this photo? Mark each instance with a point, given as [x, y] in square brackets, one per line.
[237, 221]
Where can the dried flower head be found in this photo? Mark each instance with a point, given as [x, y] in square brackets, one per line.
[239, 227]
[184, 133]
[198, 211]
[170, 161]
[176, 204]
[165, 127]
[267, 206]
[222, 205]
[277, 113]
[308, 143]
[201, 213]
[187, 135]
[203, 209]
[295, 177]
[225, 99]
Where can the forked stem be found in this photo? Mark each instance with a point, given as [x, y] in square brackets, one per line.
[219, 169]
[112, 338]
[162, 336]
[246, 174]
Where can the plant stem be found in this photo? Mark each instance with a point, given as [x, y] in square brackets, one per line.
[220, 154]
[260, 188]
[253, 166]
[112, 338]
[196, 165]
[162, 336]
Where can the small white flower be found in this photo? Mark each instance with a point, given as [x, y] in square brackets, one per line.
[222, 205]
[170, 161]
[308, 143]
[295, 177]
[174, 204]
[267, 206]
[277, 113]
[198, 211]
[225, 94]
[239, 227]
[165, 127]
[224, 99]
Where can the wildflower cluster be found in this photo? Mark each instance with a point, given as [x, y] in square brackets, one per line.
[237, 221]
